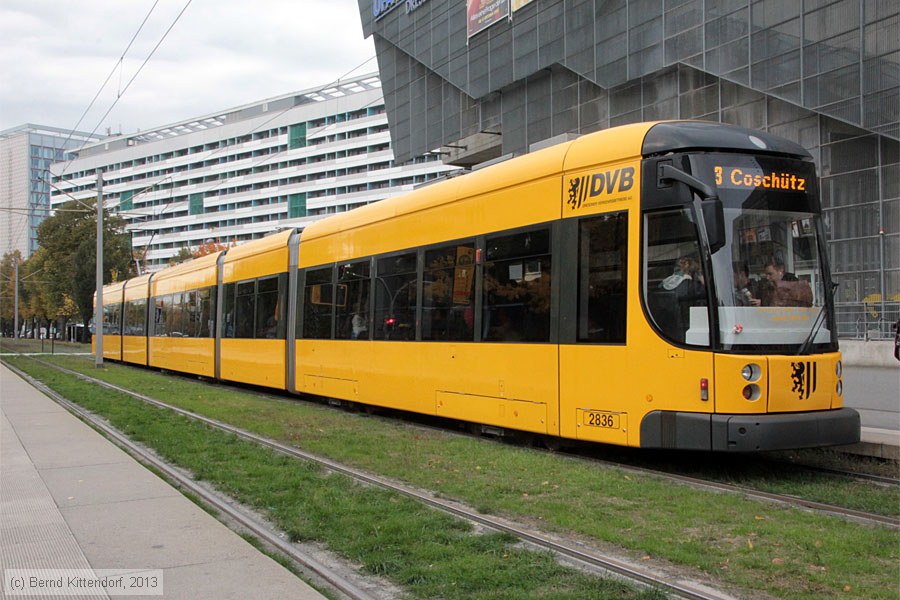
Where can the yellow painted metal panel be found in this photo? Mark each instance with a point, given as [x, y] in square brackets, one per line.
[606, 427]
[347, 389]
[262, 245]
[257, 362]
[112, 346]
[112, 294]
[187, 355]
[603, 188]
[500, 412]
[137, 288]
[534, 202]
[646, 375]
[607, 146]
[408, 375]
[799, 383]
[134, 349]
[730, 385]
[192, 275]
[258, 258]
[373, 365]
[503, 176]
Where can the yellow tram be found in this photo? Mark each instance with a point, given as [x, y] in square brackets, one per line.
[652, 285]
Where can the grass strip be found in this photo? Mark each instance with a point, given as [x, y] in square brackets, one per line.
[428, 553]
[784, 551]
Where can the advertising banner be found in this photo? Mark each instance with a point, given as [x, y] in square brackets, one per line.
[517, 4]
[484, 13]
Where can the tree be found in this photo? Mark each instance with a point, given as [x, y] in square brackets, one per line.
[184, 255]
[8, 291]
[41, 302]
[208, 247]
[211, 247]
[69, 239]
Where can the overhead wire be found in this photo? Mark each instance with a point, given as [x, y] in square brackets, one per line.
[111, 73]
[256, 127]
[219, 183]
[122, 91]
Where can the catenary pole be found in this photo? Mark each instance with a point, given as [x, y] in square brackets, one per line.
[16, 302]
[98, 308]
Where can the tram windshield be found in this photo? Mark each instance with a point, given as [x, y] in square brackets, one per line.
[766, 273]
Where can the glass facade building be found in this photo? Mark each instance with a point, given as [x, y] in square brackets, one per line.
[824, 73]
[26, 153]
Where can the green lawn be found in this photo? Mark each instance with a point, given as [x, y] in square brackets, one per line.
[739, 542]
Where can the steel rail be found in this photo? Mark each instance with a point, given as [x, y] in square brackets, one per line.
[880, 479]
[581, 555]
[307, 563]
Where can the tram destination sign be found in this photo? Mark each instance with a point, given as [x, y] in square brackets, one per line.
[755, 178]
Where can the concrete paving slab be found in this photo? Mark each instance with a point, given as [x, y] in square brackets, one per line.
[164, 532]
[49, 450]
[102, 484]
[70, 499]
[238, 580]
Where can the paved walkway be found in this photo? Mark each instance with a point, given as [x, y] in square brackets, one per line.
[70, 499]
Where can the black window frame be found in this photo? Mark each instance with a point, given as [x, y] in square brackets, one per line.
[459, 318]
[493, 328]
[610, 328]
[385, 317]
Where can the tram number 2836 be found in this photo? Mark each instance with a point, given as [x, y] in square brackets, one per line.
[607, 420]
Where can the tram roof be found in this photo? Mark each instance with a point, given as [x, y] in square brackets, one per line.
[603, 147]
[274, 241]
[617, 144]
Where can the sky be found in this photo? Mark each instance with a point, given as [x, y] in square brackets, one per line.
[56, 55]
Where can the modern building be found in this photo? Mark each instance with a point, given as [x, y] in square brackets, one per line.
[26, 153]
[482, 79]
[248, 171]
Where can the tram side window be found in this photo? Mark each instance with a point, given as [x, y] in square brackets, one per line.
[603, 248]
[448, 303]
[353, 314]
[517, 288]
[191, 313]
[674, 283]
[395, 298]
[245, 309]
[112, 314]
[228, 292]
[160, 305]
[207, 300]
[135, 317]
[270, 322]
[175, 316]
[318, 303]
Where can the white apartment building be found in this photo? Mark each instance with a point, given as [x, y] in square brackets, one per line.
[26, 153]
[246, 172]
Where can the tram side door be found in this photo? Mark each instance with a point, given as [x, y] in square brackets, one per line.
[594, 308]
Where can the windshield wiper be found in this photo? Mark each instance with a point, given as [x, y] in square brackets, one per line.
[816, 326]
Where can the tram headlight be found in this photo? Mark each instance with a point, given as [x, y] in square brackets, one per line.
[839, 388]
[751, 372]
[838, 369]
[751, 392]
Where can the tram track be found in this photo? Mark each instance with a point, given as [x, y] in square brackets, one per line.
[571, 552]
[861, 516]
[878, 479]
[246, 521]
[707, 483]
[579, 555]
